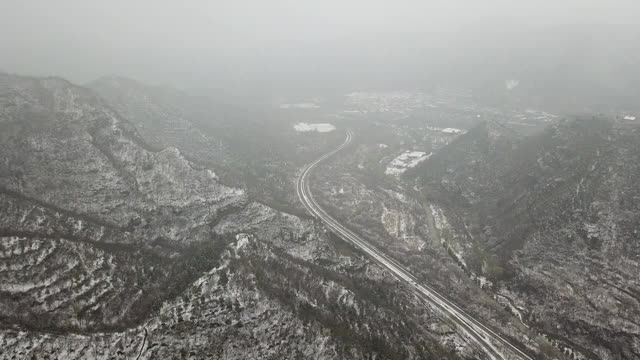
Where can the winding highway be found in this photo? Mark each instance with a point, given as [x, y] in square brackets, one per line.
[490, 341]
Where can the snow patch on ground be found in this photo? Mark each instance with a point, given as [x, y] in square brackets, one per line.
[401, 226]
[483, 281]
[517, 311]
[304, 127]
[241, 241]
[451, 131]
[447, 130]
[441, 223]
[593, 231]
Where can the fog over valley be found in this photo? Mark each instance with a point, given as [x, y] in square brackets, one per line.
[286, 47]
[320, 180]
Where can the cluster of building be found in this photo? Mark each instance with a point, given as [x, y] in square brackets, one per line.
[406, 160]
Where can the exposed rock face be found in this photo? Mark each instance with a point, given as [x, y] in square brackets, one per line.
[64, 146]
[169, 118]
[554, 217]
[254, 147]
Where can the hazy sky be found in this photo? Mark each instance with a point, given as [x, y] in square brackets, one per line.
[257, 41]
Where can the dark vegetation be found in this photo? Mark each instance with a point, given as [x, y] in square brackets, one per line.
[145, 273]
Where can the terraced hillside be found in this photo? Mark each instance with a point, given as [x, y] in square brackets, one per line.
[263, 302]
[286, 291]
[112, 249]
[55, 283]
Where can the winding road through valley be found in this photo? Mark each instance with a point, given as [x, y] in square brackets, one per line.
[494, 344]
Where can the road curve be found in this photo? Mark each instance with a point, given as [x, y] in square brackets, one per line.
[144, 341]
[481, 334]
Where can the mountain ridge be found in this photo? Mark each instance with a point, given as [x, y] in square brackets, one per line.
[550, 218]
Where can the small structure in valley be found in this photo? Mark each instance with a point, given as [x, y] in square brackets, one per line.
[406, 160]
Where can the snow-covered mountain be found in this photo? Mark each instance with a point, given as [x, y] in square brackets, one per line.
[112, 247]
[552, 219]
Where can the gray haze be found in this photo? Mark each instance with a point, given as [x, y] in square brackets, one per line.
[258, 46]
